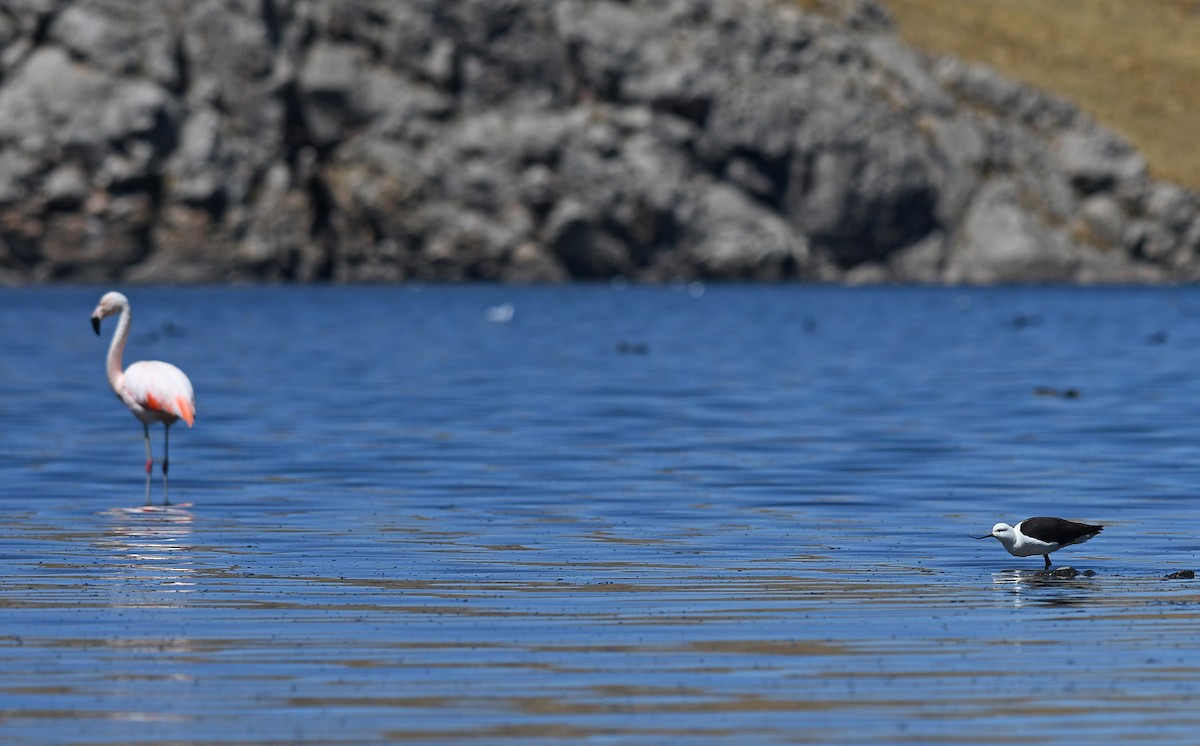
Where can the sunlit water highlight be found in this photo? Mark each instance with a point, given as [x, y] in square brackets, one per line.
[728, 514]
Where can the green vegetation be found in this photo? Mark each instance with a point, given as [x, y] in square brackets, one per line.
[1132, 64]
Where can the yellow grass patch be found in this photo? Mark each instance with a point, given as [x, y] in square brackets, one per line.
[1132, 64]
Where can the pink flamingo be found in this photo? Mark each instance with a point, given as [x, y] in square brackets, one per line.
[153, 390]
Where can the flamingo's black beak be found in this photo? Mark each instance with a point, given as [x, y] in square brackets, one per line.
[96, 324]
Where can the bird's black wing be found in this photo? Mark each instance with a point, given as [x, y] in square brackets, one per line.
[1058, 530]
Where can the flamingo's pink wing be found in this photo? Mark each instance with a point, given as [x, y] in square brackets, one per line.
[162, 387]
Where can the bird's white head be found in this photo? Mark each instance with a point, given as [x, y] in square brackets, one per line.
[1002, 531]
[110, 303]
[1005, 533]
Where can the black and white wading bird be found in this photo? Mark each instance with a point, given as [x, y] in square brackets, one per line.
[1041, 536]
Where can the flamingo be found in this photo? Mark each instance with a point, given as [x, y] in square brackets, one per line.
[153, 390]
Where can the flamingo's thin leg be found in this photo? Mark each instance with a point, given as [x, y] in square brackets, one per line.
[149, 460]
[166, 462]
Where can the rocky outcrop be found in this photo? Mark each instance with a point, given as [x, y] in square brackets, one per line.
[541, 140]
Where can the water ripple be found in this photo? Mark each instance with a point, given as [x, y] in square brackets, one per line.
[631, 515]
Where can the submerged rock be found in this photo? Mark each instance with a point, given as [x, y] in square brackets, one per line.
[539, 140]
[1181, 575]
[1062, 572]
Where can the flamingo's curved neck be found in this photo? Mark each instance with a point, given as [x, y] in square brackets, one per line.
[117, 348]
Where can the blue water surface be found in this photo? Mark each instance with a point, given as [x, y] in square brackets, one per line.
[678, 514]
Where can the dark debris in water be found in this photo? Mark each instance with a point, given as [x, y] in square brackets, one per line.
[1068, 393]
[632, 348]
[1181, 575]
[1024, 320]
[168, 329]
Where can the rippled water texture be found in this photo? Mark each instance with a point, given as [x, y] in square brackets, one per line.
[731, 514]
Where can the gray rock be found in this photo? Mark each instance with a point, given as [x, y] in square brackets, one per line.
[17, 169]
[66, 187]
[863, 196]
[982, 86]
[1097, 160]
[760, 121]
[1109, 268]
[905, 66]
[737, 237]
[1002, 242]
[583, 244]
[50, 103]
[1103, 219]
[112, 35]
[923, 261]
[193, 178]
[329, 86]
[536, 140]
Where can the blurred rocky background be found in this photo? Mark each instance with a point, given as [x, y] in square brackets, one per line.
[544, 140]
